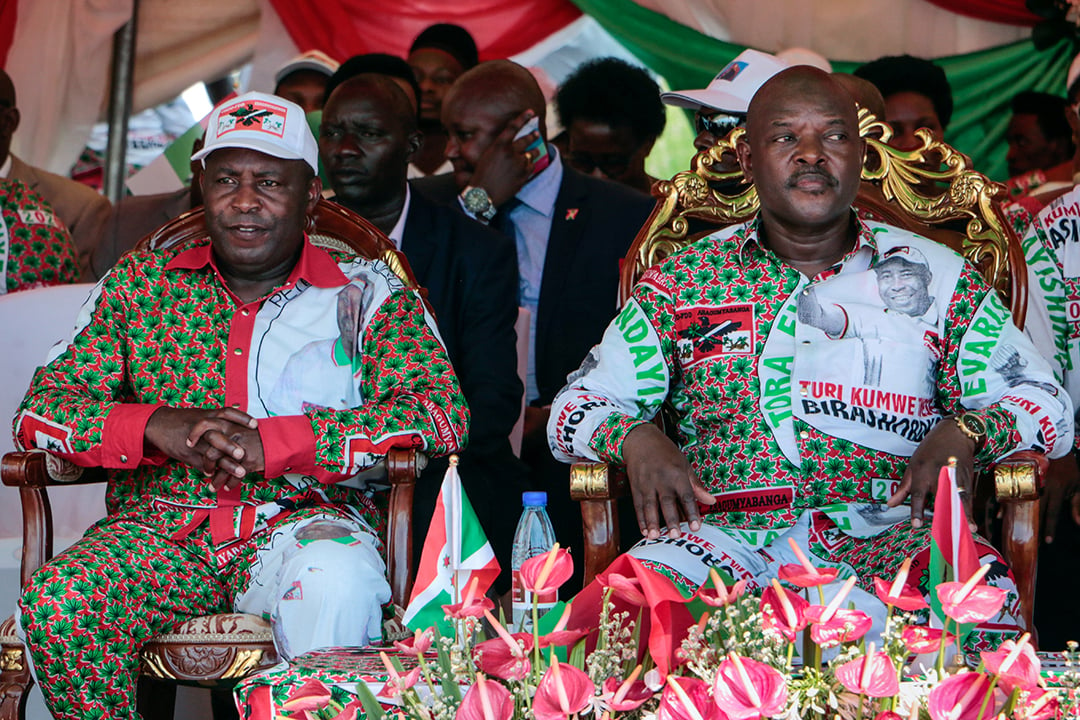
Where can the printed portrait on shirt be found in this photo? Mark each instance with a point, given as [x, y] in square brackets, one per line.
[321, 362]
[871, 349]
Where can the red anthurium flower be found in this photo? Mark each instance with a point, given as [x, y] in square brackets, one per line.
[803, 573]
[873, 675]
[486, 700]
[472, 604]
[783, 610]
[746, 688]
[563, 691]
[898, 593]
[1015, 664]
[625, 695]
[560, 636]
[312, 695]
[970, 602]
[844, 626]
[542, 574]
[419, 644]
[887, 715]
[396, 683]
[960, 697]
[350, 711]
[920, 639]
[1038, 704]
[627, 589]
[688, 698]
[719, 595]
[507, 656]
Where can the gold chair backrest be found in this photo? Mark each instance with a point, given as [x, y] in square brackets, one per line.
[931, 190]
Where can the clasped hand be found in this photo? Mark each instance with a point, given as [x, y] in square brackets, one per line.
[223, 443]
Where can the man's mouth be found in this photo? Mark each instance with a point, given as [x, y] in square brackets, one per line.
[812, 180]
[247, 229]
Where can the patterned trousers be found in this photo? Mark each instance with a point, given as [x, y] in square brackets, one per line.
[86, 614]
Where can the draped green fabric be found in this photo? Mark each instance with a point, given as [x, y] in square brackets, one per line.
[983, 82]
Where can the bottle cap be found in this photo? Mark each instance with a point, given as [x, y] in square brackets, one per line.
[534, 499]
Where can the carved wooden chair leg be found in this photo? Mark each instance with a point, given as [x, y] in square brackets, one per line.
[1017, 480]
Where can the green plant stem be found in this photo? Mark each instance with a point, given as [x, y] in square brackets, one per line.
[1010, 704]
[940, 665]
[536, 637]
[986, 698]
[790, 654]
[862, 699]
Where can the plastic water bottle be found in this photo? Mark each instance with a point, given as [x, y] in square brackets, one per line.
[534, 536]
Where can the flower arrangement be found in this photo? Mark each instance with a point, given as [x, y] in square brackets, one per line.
[724, 654]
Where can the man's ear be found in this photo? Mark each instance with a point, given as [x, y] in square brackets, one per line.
[314, 192]
[413, 143]
[742, 150]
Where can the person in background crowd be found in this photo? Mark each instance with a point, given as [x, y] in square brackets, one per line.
[302, 80]
[722, 105]
[83, 211]
[438, 56]
[1039, 135]
[36, 249]
[366, 140]
[612, 114]
[917, 95]
[571, 232]
[380, 64]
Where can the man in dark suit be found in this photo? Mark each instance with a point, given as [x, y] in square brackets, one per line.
[367, 138]
[571, 231]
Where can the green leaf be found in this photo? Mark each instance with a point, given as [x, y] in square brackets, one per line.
[372, 708]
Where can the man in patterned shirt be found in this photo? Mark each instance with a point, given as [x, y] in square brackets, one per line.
[218, 503]
[780, 439]
[35, 246]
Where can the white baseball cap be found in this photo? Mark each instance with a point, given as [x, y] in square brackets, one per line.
[265, 123]
[315, 60]
[905, 253]
[733, 87]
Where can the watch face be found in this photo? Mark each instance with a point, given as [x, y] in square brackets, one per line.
[974, 424]
[476, 200]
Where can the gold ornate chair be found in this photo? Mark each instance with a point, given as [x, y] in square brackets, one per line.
[931, 190]
[214, 651]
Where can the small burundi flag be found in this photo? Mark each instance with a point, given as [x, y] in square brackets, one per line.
[455, 551]
[953, 557]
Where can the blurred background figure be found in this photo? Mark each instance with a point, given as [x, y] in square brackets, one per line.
[917, 95]
[438, 56]
[1039, 135]
[303, 79]
[612, 115]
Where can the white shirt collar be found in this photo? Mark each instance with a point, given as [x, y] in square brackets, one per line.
[398, 233]
[5, 169]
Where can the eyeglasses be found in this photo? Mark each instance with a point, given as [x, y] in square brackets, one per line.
[718, 124]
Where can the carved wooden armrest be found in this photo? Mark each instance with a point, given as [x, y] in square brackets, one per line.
[598, 486]
[39, 469]
[1020, 476]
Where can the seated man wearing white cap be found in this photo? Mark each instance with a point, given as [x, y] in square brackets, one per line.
[223, 496]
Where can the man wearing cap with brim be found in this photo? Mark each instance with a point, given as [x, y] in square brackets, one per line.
[217, 504]
[722, 105]
[303, 79]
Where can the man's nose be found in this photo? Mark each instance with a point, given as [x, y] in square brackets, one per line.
[246, 198]
[809, 150]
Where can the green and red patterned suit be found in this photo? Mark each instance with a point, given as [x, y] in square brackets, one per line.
[162, 329]
[35, 247]
[800, 428]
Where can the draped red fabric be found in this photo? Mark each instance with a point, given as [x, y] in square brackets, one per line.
[343, 28]
[1010, 12]
[8, 12]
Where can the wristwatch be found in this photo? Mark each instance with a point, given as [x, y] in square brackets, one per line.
[973, 426]
[478, 202]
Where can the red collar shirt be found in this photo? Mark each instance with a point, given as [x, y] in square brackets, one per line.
[339, 364]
